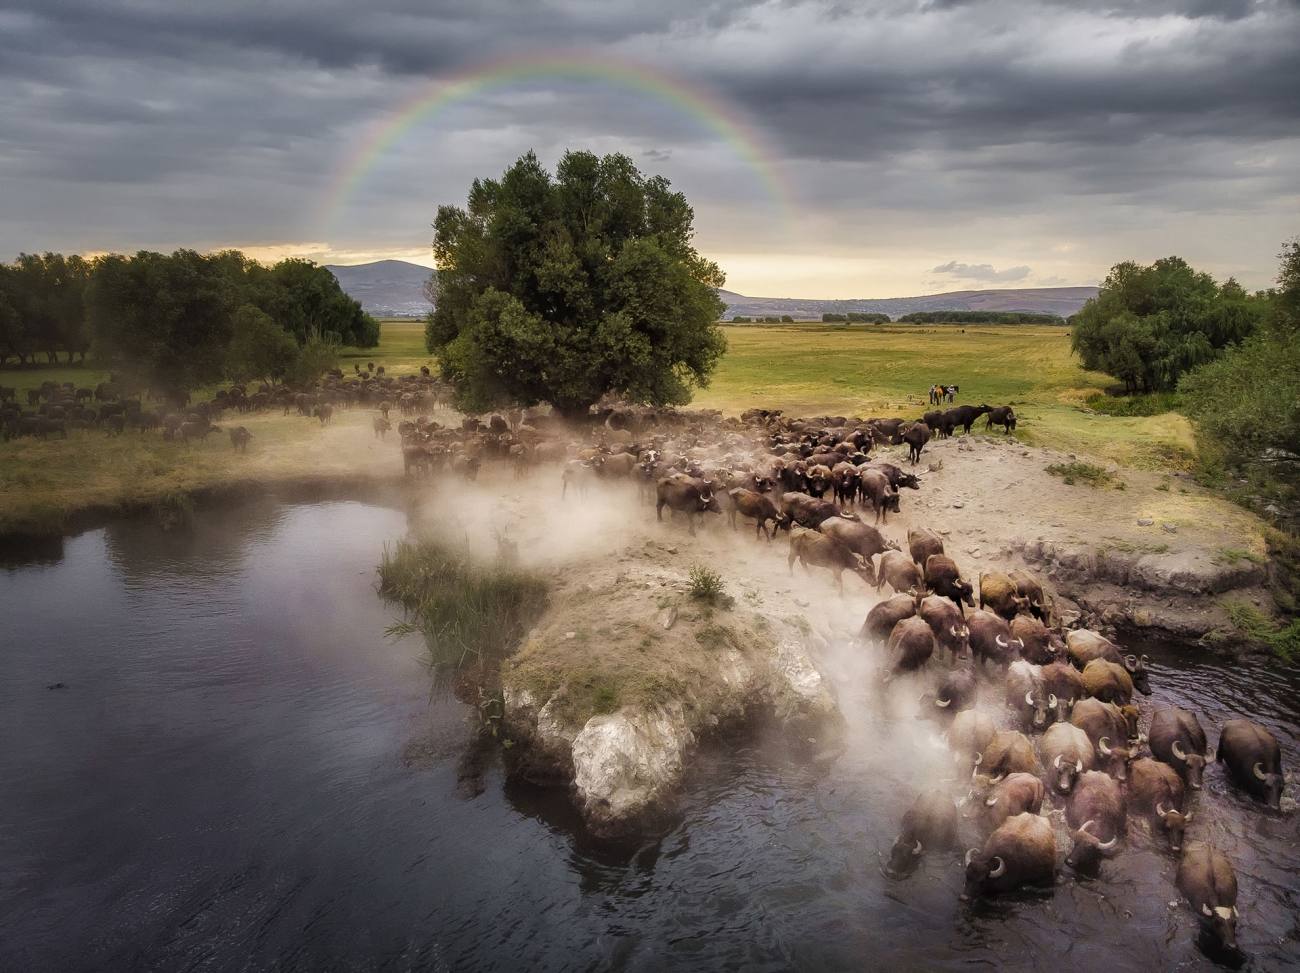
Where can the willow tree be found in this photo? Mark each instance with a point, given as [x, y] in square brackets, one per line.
[562, 288]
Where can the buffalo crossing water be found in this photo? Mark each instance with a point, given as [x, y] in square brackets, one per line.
[242, 773]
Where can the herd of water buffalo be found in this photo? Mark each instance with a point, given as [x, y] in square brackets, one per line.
[1031, 710]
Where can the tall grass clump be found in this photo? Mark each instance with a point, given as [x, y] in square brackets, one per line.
[1284, 640]
[1152, 404]
[471, 613]
[1089, 473]
[706, 585]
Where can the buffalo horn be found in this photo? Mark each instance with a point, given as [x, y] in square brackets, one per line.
[1177, 749]
[1001, 867]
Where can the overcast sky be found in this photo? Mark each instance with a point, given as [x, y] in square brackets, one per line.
[916, 146]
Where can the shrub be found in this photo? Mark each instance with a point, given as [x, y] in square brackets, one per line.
[706, 584]
[1154, 404]
[1089, 473]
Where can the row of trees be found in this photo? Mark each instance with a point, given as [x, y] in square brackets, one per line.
[175, 321]
[856, 317]
[980, 317]
[1151, 325]
[767, 319]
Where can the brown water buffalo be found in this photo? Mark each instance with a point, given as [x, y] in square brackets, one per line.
[884, 498]
[683, 493]
[240, 438]
[1108, 729]
[882, 618]
[1083, 645]
[898, 478]
[916, 436]
[760, 507]
[943, 577]
[969, 735]
[1038, 646]
[1067, 752]
[911, 644]
[998, 594]
[1064, 682]
[1035, 709]
[922, 542]
[1001, 415]
[956, 692]
[1137, 671]
[1176, 738]
[1108, 682]
[948, 625]
[900, 572]
[991, 639]
[196, 430]
[1253, 758]
[818, 480]
[1017, 793]
[1022, 851]
[1008, 752]
[1028, 587]
[808, 511]
[858, 537]
[844, 481]
[1209, 884]
[381, 426]
[809, 547]
[324, 412]
[1098, 814]
[1156, 790]
[930, 823]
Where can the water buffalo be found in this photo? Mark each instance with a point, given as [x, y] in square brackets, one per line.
[809, 547]
[922, 542]
[884, 498]
[965, 415]
[1027, 586]
[1208, 882]
[898, 478]
[1008, 752]
[956, 692]
[1022, 851]
[1037, 646]
[858, 537]
[1017, 793]
[1098, 814]
[844, 481]
[1137, 671]
[1108, 729]
[916, 436]
[686, 494]
[882, 618]
[808, 511]
[1001, 415]
[1253, 758]
[999, 594]
[1108, 682]
[1155, 789]
[911, 644]
[818, 480]
[759, 506]
[196, 430]
[969, 735]
[943, 577]
[991, 639]
[931, 822]
[580, 475]
[1067, 752]
[1083, 645]
[1176, 738]
[1027, 697]
[381, 426]
[1064, 682]
[324, 412]
[946, 622]
[239, 439]
[900, 572]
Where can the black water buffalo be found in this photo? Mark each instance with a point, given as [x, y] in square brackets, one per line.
[1037, 644]
[1156, 790]
[1098, 814]
[1176, 738]
[874, 485]
[911, 644]
[1017, 793]
[882, 618]
[1253, 758]
[943, 577]
[991, 639]
[922, 542]
[809, 547]
[931, 822]
[965, 415]
[1009, 752]
[1063, 681]
[240, 438]
[1027, 586]
[898, 478]
[808, 511]
[687, 494]
[916, 436]
[1001, 415]
[1108, 682]
[1028, 698]
[1022, 851]
[863, 539]
[948, 625]
[900, 572]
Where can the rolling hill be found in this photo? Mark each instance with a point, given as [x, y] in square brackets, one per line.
[396, 289]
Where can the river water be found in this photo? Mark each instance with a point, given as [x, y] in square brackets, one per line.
[240, 772]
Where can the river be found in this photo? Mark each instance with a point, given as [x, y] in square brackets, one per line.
[239, 772]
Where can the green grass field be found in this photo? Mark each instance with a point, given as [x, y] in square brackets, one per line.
[810, 369]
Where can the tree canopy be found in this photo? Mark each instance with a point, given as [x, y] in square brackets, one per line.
[1148, 326]
[42, 307]
[562, 288]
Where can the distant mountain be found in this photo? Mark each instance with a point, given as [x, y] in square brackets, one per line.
[386, 288]
[395, 289]
[1043, 300]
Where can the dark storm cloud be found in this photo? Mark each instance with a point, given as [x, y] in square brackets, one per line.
[134, 120]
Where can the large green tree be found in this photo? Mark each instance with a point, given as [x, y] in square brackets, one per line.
[166, 320]
[259, 348]
[307, 301]
[46, 292]
[1150, 325]
[562, 288]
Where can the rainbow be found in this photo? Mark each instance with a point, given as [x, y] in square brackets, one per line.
[716, 116]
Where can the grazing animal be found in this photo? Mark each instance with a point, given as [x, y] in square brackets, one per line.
[239, 438]
[991, 639]
[1064, 682]
[1067, 752]
[324, 412]
[943, 577]
[1107, 728]
[1209, 884]
[1083, 645]
[1022, 851]
[381, 426]
[1001, 415]
[1155, 789]
[1027, 696]
[808, 511]
[863, 539]
[1027, 586]
[916, 436]
[1098, 814]
[946, 622]
[1176, 738]
[911, 644]
[759, 506]
[965, 415]
[1253, 758]
[900, 572]
[1017, 793]
[1137, 670]
[1008, 752]
[1037, 645]
[999, 594]
[922, 542]
[691, 496]
[1108, 682]
[931, 822]
[884, 498]
[810, 547]
[196, 430]
[969, 735]
[882, 618]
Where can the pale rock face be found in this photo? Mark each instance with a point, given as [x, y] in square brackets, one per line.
[623, 762]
